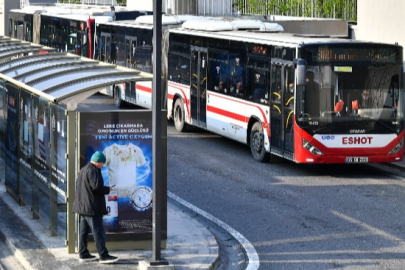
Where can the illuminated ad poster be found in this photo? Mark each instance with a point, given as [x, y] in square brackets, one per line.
[42, 160]
[12, 138]
[26, 149]
[126, 140]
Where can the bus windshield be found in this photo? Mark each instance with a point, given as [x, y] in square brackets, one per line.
[369, 94]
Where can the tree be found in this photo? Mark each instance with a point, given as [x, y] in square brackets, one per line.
[339, 9]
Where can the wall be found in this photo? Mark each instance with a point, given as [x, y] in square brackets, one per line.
[140, 4]
[381, 21]
[5, 6]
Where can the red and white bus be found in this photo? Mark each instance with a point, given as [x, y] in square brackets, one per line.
[294, 96]
[65, 28]
[298, 97]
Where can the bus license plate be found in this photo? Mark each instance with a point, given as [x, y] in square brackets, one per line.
[356, 159]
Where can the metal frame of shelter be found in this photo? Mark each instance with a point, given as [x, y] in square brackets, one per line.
[32, 76]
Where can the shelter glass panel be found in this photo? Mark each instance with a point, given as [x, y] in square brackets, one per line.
[3, 107]
[58, 217]
[41, 168]
[26, 150]
[11, 156]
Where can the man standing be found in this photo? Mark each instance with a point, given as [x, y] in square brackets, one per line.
[90, 204]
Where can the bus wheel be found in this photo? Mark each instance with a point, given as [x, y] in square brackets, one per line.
[117, 98]
[178, 115]
[257, 143]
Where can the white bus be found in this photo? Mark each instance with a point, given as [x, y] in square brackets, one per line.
[298, 97]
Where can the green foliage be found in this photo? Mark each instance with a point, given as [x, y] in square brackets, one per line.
[122, 2]
[339, 9]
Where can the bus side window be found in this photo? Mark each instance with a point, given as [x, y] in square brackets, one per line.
[258, 80]
[173, 72]
[236, 70]
[218, 74]
[179, 69]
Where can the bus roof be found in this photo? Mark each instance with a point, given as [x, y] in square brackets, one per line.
[64, 11]
[257, 36]
[214, 25]
[146, 21]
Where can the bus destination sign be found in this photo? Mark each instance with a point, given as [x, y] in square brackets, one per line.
[354, 54]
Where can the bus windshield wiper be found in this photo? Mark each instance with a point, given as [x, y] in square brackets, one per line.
[385, 125]
[323, 128]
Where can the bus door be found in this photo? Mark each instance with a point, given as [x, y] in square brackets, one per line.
[282, 108]
[130, 49]
[198, 87]
[105, 47]
[51, 36]
[19, 30]
[83, 40]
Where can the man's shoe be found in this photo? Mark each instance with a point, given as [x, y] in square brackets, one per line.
[108, 259]
[87, 258]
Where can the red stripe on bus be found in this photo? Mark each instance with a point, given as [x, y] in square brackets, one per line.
[228, 114]
[265, 123]
[144, 88]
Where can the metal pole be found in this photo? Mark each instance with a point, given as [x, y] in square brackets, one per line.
[156, 128]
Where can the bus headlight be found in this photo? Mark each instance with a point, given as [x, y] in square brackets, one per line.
[397, 147]
[312, 149]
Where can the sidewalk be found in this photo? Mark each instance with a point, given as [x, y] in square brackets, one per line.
[189, 245]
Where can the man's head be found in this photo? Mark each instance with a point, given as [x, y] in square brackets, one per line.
[98, 159]
[366, 94]
[310, 76]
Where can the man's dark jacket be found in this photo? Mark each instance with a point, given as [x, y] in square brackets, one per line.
[90, 191]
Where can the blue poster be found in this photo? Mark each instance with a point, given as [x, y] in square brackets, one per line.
[125, 138]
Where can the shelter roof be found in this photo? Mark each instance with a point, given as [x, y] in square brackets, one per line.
[58, 76]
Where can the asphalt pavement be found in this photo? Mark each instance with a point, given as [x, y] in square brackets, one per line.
[190, 245]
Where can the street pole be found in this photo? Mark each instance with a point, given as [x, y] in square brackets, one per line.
[156, 261]
[157, 129]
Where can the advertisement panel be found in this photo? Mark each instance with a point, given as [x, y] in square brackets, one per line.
[41, 168]
[11, 177]
[126, 140]
[26, 149]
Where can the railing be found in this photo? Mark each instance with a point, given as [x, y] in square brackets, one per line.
[345, 9]
[94, 2]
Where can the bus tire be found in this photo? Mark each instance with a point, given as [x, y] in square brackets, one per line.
[178, 115]
[257, 143]
[117, 98]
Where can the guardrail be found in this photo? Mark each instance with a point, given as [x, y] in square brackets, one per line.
[94, 2]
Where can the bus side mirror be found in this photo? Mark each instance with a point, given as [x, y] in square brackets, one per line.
[301, 72]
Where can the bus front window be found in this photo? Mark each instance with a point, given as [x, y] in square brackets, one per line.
[352, 93]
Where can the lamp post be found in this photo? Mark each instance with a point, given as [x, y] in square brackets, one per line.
[156, 261]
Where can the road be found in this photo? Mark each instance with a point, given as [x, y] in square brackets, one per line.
[296, 216]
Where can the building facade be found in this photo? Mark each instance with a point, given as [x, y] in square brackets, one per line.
[381, 21]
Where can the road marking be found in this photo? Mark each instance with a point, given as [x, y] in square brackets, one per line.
[369, 228]
[253, 258]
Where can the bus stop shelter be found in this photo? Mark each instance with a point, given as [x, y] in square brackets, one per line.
[45, 139]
